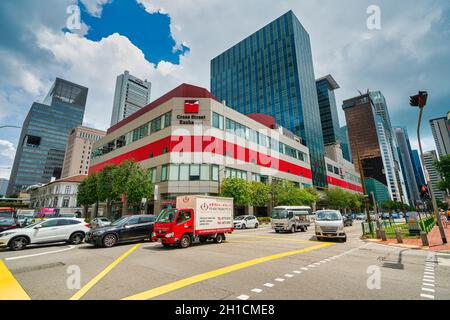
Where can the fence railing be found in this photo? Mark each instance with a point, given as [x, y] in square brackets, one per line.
[389, 226]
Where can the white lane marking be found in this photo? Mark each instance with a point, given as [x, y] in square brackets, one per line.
[311, 266]
[279, 279]
[429, 273]
[269, 285]
[288, 275]
[39, 254]
[428, 280]
[428, 296]
[256, 290]
[428, 289]
[243, 297]
[429, 269]
[327, 260]
[306, 269]
[428, 277]
[428, 284]
[323, 261]
[297, 272]
[317, 263]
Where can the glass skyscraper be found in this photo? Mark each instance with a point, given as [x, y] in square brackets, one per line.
[42, 143]
[418, 171]
[271, 72]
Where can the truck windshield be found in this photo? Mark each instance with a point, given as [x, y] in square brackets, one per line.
[279, 214]
[327, 216]
[167, 215]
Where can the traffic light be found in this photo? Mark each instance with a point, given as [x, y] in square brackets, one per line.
[419, 100]
[414, 101]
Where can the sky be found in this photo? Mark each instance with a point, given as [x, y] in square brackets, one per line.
[170, 42]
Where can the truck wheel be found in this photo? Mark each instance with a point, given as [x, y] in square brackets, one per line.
[277, 231]
[293, 229]
[219, 238]
[185, 241]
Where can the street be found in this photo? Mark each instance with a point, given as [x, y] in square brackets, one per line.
[250, 265]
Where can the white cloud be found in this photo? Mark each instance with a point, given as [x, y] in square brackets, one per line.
[95, 7]
[7, 149]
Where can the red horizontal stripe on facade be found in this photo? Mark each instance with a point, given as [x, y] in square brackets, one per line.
[344, 184]
[209, 145]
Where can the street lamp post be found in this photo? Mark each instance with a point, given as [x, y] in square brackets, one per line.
[420, 100]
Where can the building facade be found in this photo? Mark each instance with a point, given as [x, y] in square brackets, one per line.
[418, 171]
[328, 109]
[429, 158]
[345, 145]
[379, 190]
[191, 142]
[131, 95]
[271, 72]
[368, 139]
[45, 131]
[60, 194]
[441, 133]
[406, 162]
[79, 150]
[3, 187]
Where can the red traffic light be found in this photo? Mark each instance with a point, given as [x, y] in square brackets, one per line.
[419, 100]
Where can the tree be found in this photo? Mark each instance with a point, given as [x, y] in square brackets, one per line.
[105, 187]
[285, 193]
[356, 201]
[259, 194]
[87, 192]
[238, 189]
[443, 167]
[338, 198]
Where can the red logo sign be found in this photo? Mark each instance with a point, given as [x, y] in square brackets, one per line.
[204, 206]
[191, 106]
[186, 199]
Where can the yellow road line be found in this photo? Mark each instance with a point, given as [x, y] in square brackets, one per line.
[101, 275]
[215, 273]
[10, 289]
[273, 238]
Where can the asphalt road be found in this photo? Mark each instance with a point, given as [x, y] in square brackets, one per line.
[250, 265]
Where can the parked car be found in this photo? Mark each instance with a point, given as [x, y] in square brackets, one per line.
[7, 224]
[330, 225]
[68, 215]
[49, 231]
[25, 219]
[385, 215]
[126, 229]
[348, 220]
[360, 216]
[395, 215]
[6, 212]
[100, 222]
[244, 222]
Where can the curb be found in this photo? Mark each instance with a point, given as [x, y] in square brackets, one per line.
[406, 246]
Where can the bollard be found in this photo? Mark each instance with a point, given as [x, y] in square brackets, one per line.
[424, 237]
[398, 234]
[383, 235]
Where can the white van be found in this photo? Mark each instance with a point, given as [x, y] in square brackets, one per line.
[330, 225]
[291, 219]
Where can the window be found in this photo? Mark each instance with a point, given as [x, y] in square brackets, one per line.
[67, 190]
[146, 219]
[215, 173]
[165, 150]
[155, 125]
[183, 216]
[133, 220]
[65, 203]
[167, 119]
[164, 173]
[152, 173]
[50, 223]
[205, 173]
[330, 168]
[174, 172]
[336, 170]
[194, 173]
[217, 121]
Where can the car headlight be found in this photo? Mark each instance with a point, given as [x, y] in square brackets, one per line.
[4, 234]
[170, 235]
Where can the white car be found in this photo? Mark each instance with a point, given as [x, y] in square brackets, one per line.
[330, 225]
[244, 222]
[47, 231]
[100, 222]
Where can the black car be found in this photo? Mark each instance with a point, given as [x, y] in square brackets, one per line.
[348, 220]
[126, 229]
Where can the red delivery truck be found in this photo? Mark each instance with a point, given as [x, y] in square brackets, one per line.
[195, 219]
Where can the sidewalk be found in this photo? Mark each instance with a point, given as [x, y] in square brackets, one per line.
[434, 239]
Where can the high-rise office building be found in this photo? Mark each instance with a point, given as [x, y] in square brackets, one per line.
[328, 110]
[3, 186]
[347, 153]
[379, 190]
[368, 137]
[429, 158]
[131, 95]
[406, 162]
[79, 150]
[441, 133]
[272, 72]
[42, 142]
[418, 171]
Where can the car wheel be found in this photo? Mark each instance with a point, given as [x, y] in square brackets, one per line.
[18, 243]
[319, 238]
[256, 226]
[185, 241]
[76, 238]
[219, 238]
[277, 231]
[109, 240]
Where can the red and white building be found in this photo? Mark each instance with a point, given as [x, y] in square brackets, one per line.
[192, 142]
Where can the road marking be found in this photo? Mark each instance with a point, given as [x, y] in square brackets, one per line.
[288, 275]
[269, 285]
[306, 269]
[102, 274]
[10, 289]
[430, 273]
[243, 297]
[279, 279]
[218, 272]
[428, 289]
[317, 264]
[256, 290]
[297, 272]
[428, 280]
[277, 238]
[323, 261]
[311, 266]
[428, 277]
[39, 254]
[428, 284]
[428, 296]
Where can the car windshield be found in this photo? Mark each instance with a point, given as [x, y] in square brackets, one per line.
[33, 225]
[120, 221]
[167, 215]
[6, 221]
[239, 218]
[6, 214]
[327, 216]
[279, 214]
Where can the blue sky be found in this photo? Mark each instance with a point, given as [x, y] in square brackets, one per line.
[170, 42]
